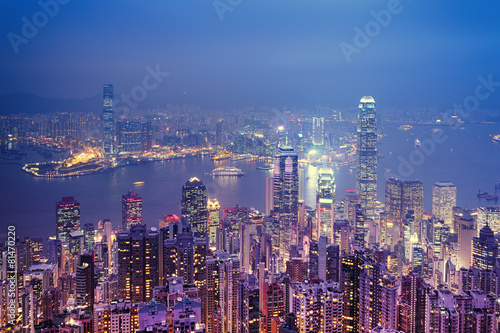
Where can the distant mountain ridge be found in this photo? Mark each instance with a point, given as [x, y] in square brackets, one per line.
[16, 103]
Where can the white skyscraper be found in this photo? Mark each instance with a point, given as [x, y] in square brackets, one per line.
[444, 198]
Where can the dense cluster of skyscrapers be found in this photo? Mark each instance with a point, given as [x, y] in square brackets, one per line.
[350, 264]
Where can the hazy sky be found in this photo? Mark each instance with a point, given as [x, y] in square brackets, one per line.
[429, 53]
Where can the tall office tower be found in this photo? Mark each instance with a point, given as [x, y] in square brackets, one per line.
[236, 216]
[377, 298]
[185, 257]
[213, 208]
[413, 199]
[194, 206]
[385, 238]
[243, 307]
[444, 198]
[108, 122]
[146, 136]
[67, 217]
[286, 198]
[350, 202]
[273, 305]
[318, 131]
[366, 163]
[352, 266]
[394, 206]
[219, 133]
[440, 232]
[318, 307]
[55, 252]
[360, 230]
[413, 297]
[333, 262]
[485, 249]
[489, 215]
[253, 310]
[117, 316]
[85, 284]
[223, 273]
[128, 136]
[269, 196]
[325, 198]
[138, 262]
[89, 235]
[131, 209]
[466, 232]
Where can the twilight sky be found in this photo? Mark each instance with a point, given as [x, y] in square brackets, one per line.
[429, 54]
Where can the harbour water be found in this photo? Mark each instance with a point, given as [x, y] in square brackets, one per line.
[467, 157]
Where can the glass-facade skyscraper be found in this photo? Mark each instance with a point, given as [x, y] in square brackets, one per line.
[286, 198]
[194, 206]
[67, 217]
[108, 124]
[366, 166]
[131, 209]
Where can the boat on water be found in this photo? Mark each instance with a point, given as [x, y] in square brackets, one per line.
[405, 127]
[227, 171]
[139, 183]
[241, 157]
[496, 138]
[265, 167]
[418, 144]
[220, 157]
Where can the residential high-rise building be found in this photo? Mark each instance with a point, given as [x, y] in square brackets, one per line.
[366, 163]
[138, 262]
[352, 266]
[108, 122]
[325, 199]
[194, 206]
[223, 273]
[67, 217]
[318, 307]
[444, 198]
[273, 305]
[213, 208]
[318, 131]
[412, 311]
[128, 136]
[286, 198]
[413, 199]
[131, 209]
[485, 249]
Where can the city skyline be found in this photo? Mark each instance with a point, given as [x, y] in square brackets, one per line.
[249, 167]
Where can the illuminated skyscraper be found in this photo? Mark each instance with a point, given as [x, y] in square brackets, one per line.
[138, 263]
[108, 123]
[366, 164]
[213, 208]
[194, 206]
[485, 249]
[67, 218]
[129, 136]
[269, 196]
[352, 266]
[318, 131]
[444, 198]
[286, 198]
[325, 198]
[131, 209]
[85, 281]
[223, 273]
[413, 199]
